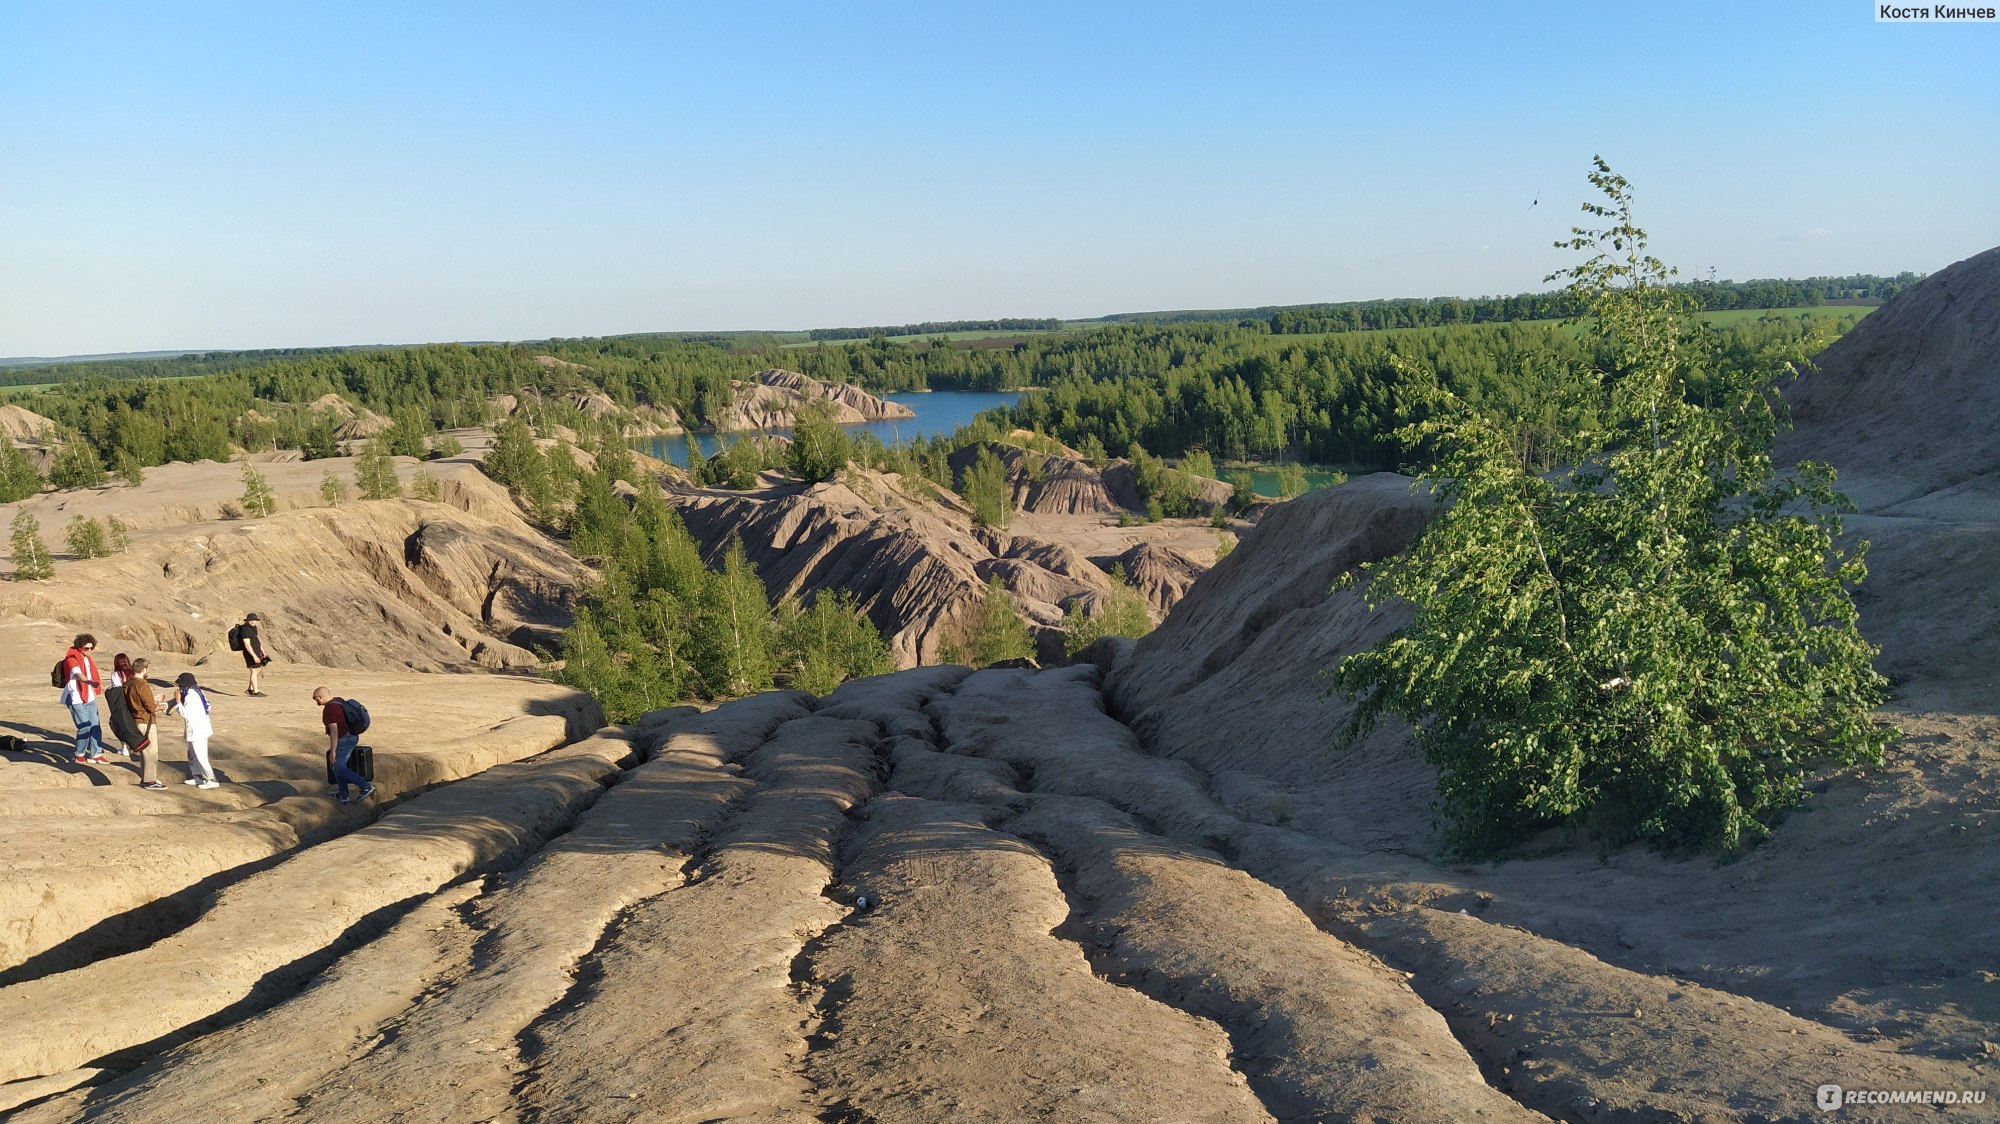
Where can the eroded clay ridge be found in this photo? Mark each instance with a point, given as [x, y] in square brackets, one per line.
[667, 923]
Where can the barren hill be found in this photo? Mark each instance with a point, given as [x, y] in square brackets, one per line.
[771, 399]
[911, 557]
[404, 583]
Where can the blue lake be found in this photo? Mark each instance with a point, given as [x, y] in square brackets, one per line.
[938, 412]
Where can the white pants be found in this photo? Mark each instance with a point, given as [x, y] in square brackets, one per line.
[198, 759]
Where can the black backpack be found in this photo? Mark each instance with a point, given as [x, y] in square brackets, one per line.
[356, 715]
[59, 675]
[236, 638]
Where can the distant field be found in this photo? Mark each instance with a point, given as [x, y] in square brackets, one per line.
[979, 334]
[1818, 311]
[7, 392]
[975, 335]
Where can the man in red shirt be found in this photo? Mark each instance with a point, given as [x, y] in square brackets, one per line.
[339, 746]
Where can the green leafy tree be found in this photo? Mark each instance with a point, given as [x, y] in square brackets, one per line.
[409, 433]
[1224, 544]
[985, 490]
[819, 447]
[1659, 643]
[332, 490]
[375, 473]
[85, 537]
[18, 478]
[1291, 480]
[76, 466]
[1244, 490]
[319, 442]
[994, 631]
[1197, 462]
[517, 463]
[734, 629]
[737, 464]
[1123, 614]
[32, 560]
[257, 499]
[698, 468]
[445, 445]
[830, 643]
[121, 535]
[128, 468]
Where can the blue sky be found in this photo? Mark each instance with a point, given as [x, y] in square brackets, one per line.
[209, 175]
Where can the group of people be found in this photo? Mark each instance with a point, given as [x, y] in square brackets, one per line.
[129, 706]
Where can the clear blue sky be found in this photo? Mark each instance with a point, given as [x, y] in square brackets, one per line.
[214, 175]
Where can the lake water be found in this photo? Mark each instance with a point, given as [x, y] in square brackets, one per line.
[938, 412]
[1264, 481]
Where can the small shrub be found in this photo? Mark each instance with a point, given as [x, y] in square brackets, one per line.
[332, 490]
[258, 502]
[445, 445]
[85, 537]
[121, 535]
[424, 486]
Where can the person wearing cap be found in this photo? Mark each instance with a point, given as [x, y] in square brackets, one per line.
[200, 727]
[253, 652]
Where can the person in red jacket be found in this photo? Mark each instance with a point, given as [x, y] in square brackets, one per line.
[81, 689]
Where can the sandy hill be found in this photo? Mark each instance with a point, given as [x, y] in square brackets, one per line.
[1905, 405]
[23, 426]
[401, 583]
[771, 399]
[914, 562]
[1061, 482]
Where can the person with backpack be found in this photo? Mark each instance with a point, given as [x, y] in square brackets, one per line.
[196, 714]
[244, 638]
[345, 721]
[77, 676]
[145, 710]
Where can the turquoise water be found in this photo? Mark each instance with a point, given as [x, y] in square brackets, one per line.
[938, 412]
[1265, 481]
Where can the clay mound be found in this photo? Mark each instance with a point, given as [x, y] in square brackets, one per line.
[25, 427]
[1903, 408]
[1250, 637]
[595, 405]
[1904, 405]
[1121, 481]
[913, 564]
[1056, 558]
[351, 422]
[381, 584]
[910, 567]
[1161, 576]
[1044, 484]
[772, 398]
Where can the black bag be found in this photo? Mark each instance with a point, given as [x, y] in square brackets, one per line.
[236, 638]
[361, 759]
[356, 715]
[59, 675]
[118, 713]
